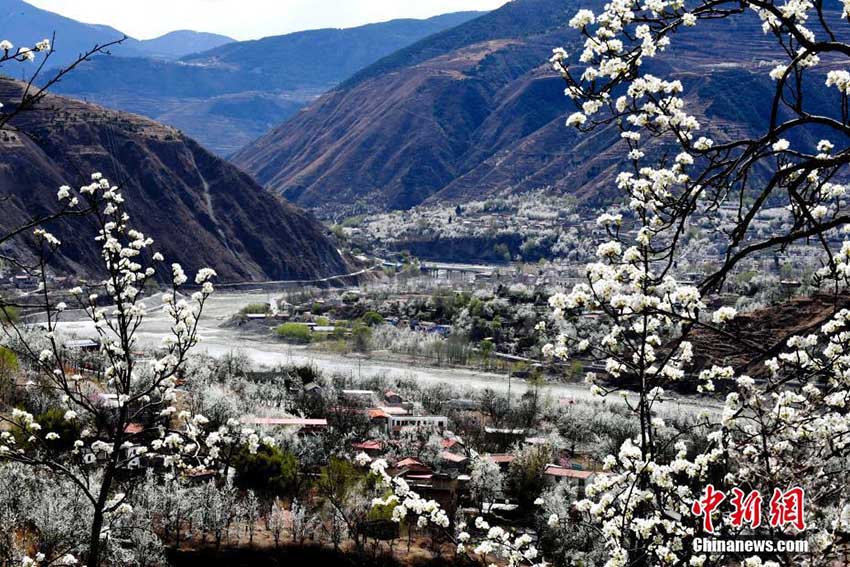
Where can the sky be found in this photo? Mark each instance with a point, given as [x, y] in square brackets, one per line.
[249, 19]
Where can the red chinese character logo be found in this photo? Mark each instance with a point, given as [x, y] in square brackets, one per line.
[706, 505]
[747, 510]
[787, 508]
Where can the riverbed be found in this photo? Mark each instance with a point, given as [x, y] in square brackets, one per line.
[218, 339]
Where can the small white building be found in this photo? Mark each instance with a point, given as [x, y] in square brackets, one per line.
[396, 422]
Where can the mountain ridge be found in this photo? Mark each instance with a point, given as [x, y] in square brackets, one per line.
[25, 24]
[182, 43]
[202, 93]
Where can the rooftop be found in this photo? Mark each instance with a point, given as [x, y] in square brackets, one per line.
[286, 421]
[563, 472]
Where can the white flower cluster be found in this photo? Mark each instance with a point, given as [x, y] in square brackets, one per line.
[9, 52]
[642, 506]
[514, 551]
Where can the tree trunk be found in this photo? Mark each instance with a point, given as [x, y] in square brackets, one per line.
[97, 520]
[94, 538]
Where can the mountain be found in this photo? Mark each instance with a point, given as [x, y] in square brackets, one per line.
[401, 129]
[177, 44]
[322, 58]
[232, 94]
[200, 210]
[475, 111]
[24, 25]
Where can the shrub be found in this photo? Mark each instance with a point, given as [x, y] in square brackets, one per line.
[361, 338]
[255, 309]
[294, 332]
[270, 470]
[525, 474]
[53, 420]
[306, 373]
[372, 319]
[8, 362]
[9, 314]
[320, 308]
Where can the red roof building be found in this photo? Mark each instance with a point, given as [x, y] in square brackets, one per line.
[408, 462]
[563, 472]
[368, 446]
[392, 397]
[376, 413]
[452, 458]
[500, 458]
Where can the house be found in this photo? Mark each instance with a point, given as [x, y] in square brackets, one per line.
[412, 468]
[393, 398]
[396, 422]
[378, 416]
[559, 473]
[373, 448]
[300, 422]
[133, 456]
[504, 460]
[82, 345]
[134, 428]
[394, 410]
[443, 488]
[454, 461]
[24, 281]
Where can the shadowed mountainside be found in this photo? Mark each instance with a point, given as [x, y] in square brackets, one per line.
[200, 210]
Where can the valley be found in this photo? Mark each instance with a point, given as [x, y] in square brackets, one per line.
[265, 352]
[534, 283]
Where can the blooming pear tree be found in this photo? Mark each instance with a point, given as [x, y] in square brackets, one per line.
[787, 429]
[124, 412]
[490, 542]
